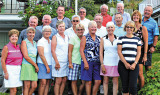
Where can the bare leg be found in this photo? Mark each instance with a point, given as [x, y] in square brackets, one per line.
[81, 87]
[63, 84]
[141, 81]
[125, 93]
[33, 87]
[26, 87]
[96, 86]
[105, 85]
[115, 85]
[57, 85]
[88, 87]
[13, 91]
[42, 87]
[74, 87]
[47, 87]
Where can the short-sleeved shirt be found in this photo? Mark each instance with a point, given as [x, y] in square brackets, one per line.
[70, 32]
[39, 28]
[106, 19]
[129, 47]
[152, 28]
[91, 50]
[85, 22]
[119, 30]
[126, 17]
[76, 57]
[47, 50]
[66, 20]
[101, 32]
[23, 35]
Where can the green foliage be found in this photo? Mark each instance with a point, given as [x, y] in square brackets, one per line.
[158, 46]
[3, 93]
[39, 10]
[132, 4]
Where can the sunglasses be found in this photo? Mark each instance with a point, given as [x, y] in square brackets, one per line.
[80, 29]
[82, 12]
[75, 20]
[129, 27]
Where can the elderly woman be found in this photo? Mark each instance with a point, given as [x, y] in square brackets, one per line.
[75, 59]
[142, 33]
[29, 67]
[59, 48]
[129, 51]
[109, 62]
[44, 60]
[90, 65]
[11, 61]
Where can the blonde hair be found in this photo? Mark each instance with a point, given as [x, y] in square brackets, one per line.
[79, 25]
[58, 23]
[92, 23]
[13, 31]
[110, 24]
[130, 23]
[137, 12]
[30, 28]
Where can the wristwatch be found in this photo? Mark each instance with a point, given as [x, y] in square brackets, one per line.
[153, 46]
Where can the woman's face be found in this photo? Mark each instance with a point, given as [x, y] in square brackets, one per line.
[129, 29]
[110, 29]
[46, 33]
[13, 38]
[92, 29]
[30, 34]
[61, 28]
[136, 17]
[75, 21]
[80, 31]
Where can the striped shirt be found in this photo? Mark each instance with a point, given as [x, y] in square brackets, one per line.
[129, 47]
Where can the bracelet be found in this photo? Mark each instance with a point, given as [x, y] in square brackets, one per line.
[145, 52]
[135, 62]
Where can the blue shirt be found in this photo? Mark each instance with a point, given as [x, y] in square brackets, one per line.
[126, 17]
[152, 28]
[52, 33]
[66, 20]
[119, 30]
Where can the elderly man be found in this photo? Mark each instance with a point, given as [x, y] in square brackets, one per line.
[33, 22]
[106, 18]
[119, 26]
[126, 16]
[101, 30]
[153, 33]
[60, 12]
[46, 21]
[83, 20]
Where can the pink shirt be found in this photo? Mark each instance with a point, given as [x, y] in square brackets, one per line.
[14, 56]
[106, 19]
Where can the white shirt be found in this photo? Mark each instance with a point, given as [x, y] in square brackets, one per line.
[47, 50]
[70, 32]
[85, 22]
[101, 32]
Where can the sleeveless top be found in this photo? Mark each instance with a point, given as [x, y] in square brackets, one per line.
[91, 50]
[32, 51]
[139, 34]
[62, 48]
[14, 56]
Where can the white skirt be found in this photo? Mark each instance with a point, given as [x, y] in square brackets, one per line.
[14, 76]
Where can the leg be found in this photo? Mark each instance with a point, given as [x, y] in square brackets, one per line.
[115, 85]
[26, 87]
[141, 81]
[96, 87]
[74, 87]
[42, 87]
[81, 87]
[57, 85]
[13, 91]
[63, 84]
[33, 87]
[88, 87]
[105, 85]
[47, 87]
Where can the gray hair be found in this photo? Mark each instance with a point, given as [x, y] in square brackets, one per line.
[82, 8]
[46, 27]
[110, 24]
[30, 28]
[33, 17]
[117, 14]
[103, 5]
[149, 6]
[75, 16]
[98, 14]
[120, 3]
[47, 15]
[92, 23]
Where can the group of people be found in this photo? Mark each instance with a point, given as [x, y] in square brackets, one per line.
[62, 49]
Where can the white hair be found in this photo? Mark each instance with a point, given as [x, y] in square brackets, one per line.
[75, 16]
[46, 27]
[98, 15]
[92, 23]
[110, 24]
[33, 17]
[121, 4]
[82, 8]
[47, 15]
[103, 5]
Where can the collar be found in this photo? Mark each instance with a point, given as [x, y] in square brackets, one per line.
[62, 19]
[147, 19]
[107, 36]
[45, 39]
[13, 45]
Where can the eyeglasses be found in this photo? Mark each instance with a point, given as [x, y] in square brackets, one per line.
[129, 27]
[75, 20]
[82, 12]
[79, 29]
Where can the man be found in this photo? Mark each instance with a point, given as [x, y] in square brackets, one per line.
[46, 21]
[60, 12]
[83, 20]
[126, 16]
[119, 26]
[153, 33]
[101, 30]
[106, 18]
[33, 22]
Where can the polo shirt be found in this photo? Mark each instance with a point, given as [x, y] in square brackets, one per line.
[85, 22]
[101, 32]
[119, 30]
[70, 32]
[106, 19]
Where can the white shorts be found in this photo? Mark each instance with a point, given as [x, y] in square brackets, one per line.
[14, 76]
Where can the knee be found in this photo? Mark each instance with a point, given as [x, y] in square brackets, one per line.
[115, 81]
[27, 86]
[98, 82]
[43, 83]
[14, 91]
[88, 82]
[64, 79]
[141, 74]
[34, 86]
[105, 82]
[58, 81]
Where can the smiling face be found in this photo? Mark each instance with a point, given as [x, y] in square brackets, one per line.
[82, 13]
[13, 38]
[60, 11]
[30, 34]
[46, 33]
[129, 29]
[148, 12]
[92, 29]
[80, 31]
[33, 22]
[118, 19]
[61, 28]
[98, 20]
[104, 10]
[75, 21]
[46, 20]
[120, 8]
[136, 18]
[110, 29]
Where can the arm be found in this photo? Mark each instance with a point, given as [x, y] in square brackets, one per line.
[41, 54]
[145, 38]
[82, 47]
[3, 61]
[70, 55]
[53, 49]
[152, 49]
[25, 55]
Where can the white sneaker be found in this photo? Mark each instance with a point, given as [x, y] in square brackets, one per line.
[101, 89]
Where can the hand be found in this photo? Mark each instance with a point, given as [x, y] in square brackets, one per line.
[6, 76]
[70, 66]
[133, 66]
[36, 69]
[103, 69]
[152, 49]
[144, 59]
[48, 69]
[127, 65]
[86, 66]
[57, 66]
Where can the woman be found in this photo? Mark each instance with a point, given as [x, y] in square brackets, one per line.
[44, 60]
[59, 48]
[90, 65]
[109, 62]
[142, 33]
[11, 61]
[29, 67]
[129, 51]
[75, 59]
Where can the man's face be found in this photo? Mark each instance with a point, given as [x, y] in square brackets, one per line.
[120, 8]
[118, 19]
[98, 20]
[82, 13]
[104, 10]
[60, 11]
[33, 23]
[46, 20]
[148, 12]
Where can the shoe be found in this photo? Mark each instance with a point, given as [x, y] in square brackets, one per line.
[101, 89]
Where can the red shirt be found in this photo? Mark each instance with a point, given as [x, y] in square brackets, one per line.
[106, 19]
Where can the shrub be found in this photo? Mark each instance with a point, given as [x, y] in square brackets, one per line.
[158, 46]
